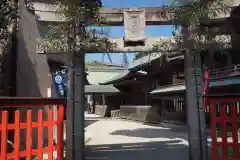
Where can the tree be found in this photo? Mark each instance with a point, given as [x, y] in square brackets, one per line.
[8, 44]
[8, 18]
[74, 38]
[74, 35]
[192, 16]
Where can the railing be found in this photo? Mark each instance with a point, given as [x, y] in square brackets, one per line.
[224, 118]
[54, 123]
[225, 72]
[220, 73]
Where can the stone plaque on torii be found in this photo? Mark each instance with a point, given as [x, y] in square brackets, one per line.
[134, 24]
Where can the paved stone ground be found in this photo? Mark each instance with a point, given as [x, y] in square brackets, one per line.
[117, 139]
[125, 140]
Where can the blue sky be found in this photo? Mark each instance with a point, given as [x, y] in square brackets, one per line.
[119, 32]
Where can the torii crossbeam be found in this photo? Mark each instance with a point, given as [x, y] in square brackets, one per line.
[134, 21]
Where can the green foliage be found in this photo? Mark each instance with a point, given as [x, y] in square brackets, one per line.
[193, 15]
[8, 16]
[195, 12]
[8, 19]
[73, 35]
[84, 11]
[8, 13]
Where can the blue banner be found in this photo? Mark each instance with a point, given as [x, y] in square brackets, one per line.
[60, 82]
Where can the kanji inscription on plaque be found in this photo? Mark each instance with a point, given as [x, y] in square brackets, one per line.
[134, 24]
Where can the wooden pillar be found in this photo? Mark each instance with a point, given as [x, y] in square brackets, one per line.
[75, 108]
[103, 100]
[94, 102]
[195, 111]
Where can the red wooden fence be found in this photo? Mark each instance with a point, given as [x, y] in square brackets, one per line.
[224, 118]
[29, 125]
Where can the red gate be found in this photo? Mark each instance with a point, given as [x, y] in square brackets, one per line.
[224, 123]
[39, 105]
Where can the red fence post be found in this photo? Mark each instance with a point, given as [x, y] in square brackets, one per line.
[40, 134]
[4, 135]
[213, 129]
[234, 117]
[50, 134]
[60, 123]
[223, 120]
[17, 135]
[29, 136]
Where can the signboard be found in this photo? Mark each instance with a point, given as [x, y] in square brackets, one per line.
[206, 80]
[60, 82]
[206, 76]
[134, 24]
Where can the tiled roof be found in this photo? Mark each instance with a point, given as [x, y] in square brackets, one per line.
[104, 89]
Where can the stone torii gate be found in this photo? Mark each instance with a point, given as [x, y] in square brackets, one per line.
[134, 21]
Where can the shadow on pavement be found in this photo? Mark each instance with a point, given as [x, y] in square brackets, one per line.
[167, 150]
[90, 119]
[88, 122]
[153, 133]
